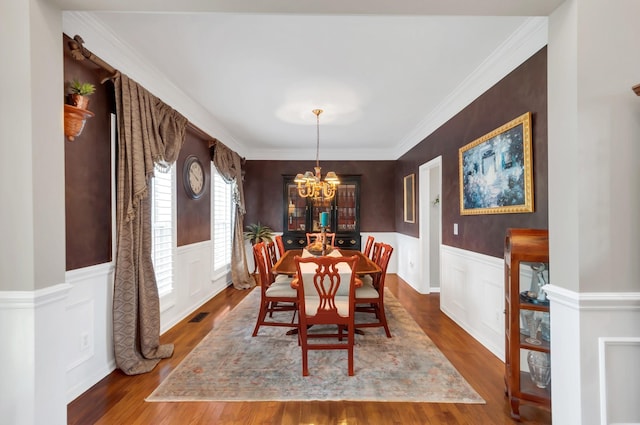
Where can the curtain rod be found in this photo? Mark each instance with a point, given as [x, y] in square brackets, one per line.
[107, 72]
[80, 53]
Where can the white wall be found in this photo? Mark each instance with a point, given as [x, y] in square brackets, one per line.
[594, 175]
[32, 223]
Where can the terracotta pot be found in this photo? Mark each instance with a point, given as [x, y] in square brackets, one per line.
[79, 101]
[74, 119]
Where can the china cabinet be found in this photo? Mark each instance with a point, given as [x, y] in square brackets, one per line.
[527, 346]
[302, 215]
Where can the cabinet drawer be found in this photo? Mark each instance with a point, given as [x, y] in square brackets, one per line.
[348, 242]
[294, 242]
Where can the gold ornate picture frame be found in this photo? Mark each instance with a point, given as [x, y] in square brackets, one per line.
[496, 171]
[409, 199]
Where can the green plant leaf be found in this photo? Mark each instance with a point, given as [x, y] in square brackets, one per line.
[257, 232]
[83, 89]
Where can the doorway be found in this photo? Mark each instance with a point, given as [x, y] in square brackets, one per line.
[430, 185]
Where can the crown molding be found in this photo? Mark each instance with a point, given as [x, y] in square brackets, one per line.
[103, 42]
[343, 154]
[529, 38]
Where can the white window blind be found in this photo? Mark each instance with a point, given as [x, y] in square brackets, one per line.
[223, 221]
[162, 229]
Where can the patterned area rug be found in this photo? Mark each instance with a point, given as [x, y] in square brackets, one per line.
[230, 365]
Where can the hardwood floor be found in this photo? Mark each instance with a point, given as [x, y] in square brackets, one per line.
[119, 399]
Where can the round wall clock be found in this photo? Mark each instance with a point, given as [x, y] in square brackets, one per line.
[194, 177]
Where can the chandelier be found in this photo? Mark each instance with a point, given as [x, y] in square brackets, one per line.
[311, 185]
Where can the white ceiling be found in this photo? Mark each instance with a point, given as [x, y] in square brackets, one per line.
[386, 73]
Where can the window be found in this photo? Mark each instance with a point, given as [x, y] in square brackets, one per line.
[222, 223]
[162, 242]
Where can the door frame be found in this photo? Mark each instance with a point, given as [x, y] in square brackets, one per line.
[426, 210]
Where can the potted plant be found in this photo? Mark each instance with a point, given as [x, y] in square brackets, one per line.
[79, 92]
[258, 232]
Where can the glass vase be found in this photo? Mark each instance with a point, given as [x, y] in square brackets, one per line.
[539, 368]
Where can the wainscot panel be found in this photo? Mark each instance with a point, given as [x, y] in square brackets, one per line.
[581, 328]
[472, 295]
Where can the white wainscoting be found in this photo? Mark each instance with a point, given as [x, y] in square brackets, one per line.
[87, 327]
[192, 284]
[472, 295]
[407, 260]
[595, 347]
[619, 386]
[33, 383]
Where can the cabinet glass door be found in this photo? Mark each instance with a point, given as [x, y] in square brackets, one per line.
[346, 208]
[296, 209]
[320, 205]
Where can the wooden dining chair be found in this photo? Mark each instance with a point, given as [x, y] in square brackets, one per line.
[326, 296]
[368, 246]
[276, 293]
[280, 245]
[331, 238]
[370, 296]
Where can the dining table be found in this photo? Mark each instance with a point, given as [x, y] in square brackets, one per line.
[287, 265]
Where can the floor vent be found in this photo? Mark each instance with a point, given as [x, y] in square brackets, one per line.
[198, 317]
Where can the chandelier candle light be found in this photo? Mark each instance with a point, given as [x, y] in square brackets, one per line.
[311, 185]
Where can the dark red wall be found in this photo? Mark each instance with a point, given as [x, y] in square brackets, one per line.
[523, 90]
[88, 173]
[263, 189]
[194, 215]
[88, 178]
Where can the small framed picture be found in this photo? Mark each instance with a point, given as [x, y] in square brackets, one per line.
[409, 199]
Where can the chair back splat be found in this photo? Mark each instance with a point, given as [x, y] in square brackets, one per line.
[280, 245]
[312, 237]
[326, 296]
[368, 246]
[271, 252]
[376, 252]
[276, 294]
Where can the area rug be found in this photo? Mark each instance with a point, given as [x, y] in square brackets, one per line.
[230, 365]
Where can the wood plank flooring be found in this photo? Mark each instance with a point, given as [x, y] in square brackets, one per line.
[119, 399]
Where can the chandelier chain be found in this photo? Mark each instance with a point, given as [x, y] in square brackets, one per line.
[318, 138]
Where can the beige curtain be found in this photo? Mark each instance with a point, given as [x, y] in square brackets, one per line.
[229, 165]
[149, 133]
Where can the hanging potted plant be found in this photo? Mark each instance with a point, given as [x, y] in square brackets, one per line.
[79, 93]
[75, 111]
